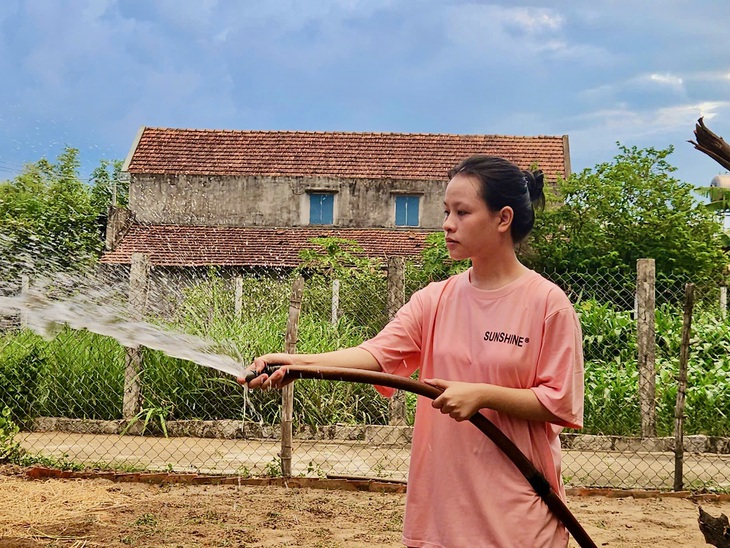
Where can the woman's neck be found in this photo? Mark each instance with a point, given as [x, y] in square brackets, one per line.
[496, 272]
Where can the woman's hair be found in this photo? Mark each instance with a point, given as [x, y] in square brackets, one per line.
[502, 184]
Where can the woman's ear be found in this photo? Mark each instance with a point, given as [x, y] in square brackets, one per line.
[506, 215]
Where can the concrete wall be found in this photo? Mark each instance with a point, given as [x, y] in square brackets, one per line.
[276, 201]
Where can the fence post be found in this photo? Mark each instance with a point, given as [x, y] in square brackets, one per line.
[138, 286]
[335, 301]
[24, 288]
[238, 297]
[689, 301]
[646, 339]
[287, 393]
[723, 301]
[396, 299]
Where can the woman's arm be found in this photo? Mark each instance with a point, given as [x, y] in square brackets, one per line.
[461, 400]
[355, 358]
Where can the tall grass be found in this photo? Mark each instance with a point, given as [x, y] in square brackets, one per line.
[80, 375]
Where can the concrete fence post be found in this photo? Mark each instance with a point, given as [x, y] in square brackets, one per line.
[335, 301]
[287, 393]
[138, 288]
[396, 299]
[646, 340]
[238, 297]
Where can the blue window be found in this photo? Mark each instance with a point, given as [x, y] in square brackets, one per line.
[406, 211]
[321, 206]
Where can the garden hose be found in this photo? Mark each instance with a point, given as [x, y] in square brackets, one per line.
[541, 486]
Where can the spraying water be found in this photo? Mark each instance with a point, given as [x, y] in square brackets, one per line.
[46, 317]
[96, 308]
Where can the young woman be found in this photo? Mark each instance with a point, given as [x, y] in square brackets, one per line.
[498, 339]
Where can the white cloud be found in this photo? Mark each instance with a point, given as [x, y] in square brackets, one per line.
[516, 34]
[666, 79]
[627, 124]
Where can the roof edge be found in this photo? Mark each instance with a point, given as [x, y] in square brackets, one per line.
[133, 148]
[335, 132]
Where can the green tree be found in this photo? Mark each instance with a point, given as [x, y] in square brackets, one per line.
[604, 219]
[435, 263]
[47, 221]
[108, 189]
[362, 279]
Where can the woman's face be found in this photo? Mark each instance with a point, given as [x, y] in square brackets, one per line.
[471, 229]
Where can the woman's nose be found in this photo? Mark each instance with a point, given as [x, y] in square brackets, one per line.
[447, 224]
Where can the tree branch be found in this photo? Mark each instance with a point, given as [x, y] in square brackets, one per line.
[715, 530]
[712, 145]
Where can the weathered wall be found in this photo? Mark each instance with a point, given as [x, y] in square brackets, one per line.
[275, 201]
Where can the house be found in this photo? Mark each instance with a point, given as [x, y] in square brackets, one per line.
[255, 198]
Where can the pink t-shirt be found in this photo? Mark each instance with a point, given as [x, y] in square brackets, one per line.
[462, 490]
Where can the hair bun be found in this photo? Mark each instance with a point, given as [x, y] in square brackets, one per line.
[535, 184]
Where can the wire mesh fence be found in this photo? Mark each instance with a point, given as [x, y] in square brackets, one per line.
[131, 369]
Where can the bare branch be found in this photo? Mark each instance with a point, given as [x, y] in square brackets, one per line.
[711, 144]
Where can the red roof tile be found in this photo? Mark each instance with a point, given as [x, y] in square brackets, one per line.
[241, 246]
[333, 154]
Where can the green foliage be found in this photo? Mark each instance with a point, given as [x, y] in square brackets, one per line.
[80, 374]
[719, 198]
[435, 263]
[603, 219]
[22, 369]
[83, 376]
[612, 380]
[9, 448]
[275, 469]
[605, 329]
[362, 282]
[719, 203]
[150, 417]
[338, 256]
[48, 220]
[47, 461]
[107, 187]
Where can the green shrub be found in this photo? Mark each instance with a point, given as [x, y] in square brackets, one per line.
[22, 368]
[9, 448]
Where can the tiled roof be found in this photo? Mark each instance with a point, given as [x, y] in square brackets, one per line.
[169, 245]
[333, 154]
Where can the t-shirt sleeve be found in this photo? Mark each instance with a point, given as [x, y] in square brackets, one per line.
[560, 373]
[397, 348]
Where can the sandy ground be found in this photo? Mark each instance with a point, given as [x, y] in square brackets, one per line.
[617, 469]
[90, 513]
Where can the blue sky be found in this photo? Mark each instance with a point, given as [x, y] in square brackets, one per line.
[89, 73]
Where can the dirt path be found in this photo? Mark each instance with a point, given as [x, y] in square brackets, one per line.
[91, 513]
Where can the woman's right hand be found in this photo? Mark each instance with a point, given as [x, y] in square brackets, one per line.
[263, 380]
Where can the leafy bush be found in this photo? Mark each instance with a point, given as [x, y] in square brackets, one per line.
[9, 448]
[22, 368]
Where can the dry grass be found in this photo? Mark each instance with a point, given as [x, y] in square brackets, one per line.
[55, 510]
[85, 513]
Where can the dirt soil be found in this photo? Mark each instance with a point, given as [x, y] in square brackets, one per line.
[94, 512]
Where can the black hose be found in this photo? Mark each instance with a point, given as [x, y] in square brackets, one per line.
[541, 485]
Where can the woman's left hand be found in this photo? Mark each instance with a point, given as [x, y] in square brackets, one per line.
[460, 400]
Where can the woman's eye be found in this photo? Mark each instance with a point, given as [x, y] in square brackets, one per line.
[461, 213]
